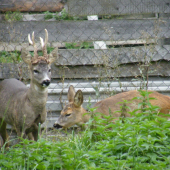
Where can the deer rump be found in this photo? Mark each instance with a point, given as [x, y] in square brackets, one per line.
[15, 104]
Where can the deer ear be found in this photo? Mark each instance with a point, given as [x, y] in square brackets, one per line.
[71, 94]
[78, 99]
[26, 56]
[53, 55]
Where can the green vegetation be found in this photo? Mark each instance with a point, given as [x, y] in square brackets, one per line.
[63, 15]
[83, 45]
[10, 57]
[48, 15]
[140, 142]
[15, 56]
[13, 16]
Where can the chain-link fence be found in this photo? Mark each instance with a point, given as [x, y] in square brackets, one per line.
[105, 46]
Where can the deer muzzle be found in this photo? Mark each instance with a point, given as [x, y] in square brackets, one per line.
[46, 83]
[56, 125]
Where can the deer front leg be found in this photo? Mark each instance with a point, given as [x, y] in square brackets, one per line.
[35, 134]
[35, 131]
[3, 133]
[38, 120]
[32, 132]
[1, 142]
[30, 136]
[20, 133]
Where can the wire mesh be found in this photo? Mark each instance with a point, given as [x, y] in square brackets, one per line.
[105, 47]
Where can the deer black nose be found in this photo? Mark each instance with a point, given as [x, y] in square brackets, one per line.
[46, 83]
[57, 126]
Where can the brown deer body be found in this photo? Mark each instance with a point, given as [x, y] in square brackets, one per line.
[73, 113]
[22, 107]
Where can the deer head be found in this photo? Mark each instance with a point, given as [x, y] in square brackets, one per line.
[73, 112]
[40, 66]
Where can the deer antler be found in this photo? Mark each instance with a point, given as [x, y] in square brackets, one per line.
[44, 45]
[32, 42]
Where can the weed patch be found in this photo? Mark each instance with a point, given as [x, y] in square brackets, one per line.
[139, 142]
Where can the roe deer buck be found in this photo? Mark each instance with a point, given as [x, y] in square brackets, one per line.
[72, 113]
[24, 108]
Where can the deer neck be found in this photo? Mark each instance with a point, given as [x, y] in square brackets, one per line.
[86, 117]
[37, 95]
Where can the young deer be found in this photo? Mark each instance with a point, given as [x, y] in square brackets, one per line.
[73, 113]
[24, 108]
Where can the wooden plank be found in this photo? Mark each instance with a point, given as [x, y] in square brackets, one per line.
[91, 63]
[160, 68]
[41, 16]
[79, 31]
[97, 44]
[114, 56]
[10, 70]
[57, 94]
[31, 6]
[87, 86]
[4, 46]
[116, 7]
[125, 70]
[110, 57]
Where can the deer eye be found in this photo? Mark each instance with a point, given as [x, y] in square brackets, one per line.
[68, 115]
[49, 70]
[36, 71]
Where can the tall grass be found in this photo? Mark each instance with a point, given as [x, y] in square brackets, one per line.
[139, 142]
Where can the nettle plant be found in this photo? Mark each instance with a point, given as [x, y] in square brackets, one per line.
[141, 141]
[133, 142]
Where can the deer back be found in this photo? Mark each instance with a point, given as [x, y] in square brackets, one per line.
[114, 103]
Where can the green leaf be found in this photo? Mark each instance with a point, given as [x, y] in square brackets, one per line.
[37, 157]
[152, 156]
[146, 145]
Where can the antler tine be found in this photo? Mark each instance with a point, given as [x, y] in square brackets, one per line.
[34, 45]
[44, 44]
[46, 37]
[29, 39]
[32, 42]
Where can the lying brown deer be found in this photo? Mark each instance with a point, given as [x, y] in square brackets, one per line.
[73, 112]
[24, 108]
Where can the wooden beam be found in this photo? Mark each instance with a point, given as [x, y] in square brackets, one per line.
[116, 7]
[114, 56]
[110, 57]
[18, 46]
[160, 68]
[79, 31]
[97, 44]
[31, 5]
